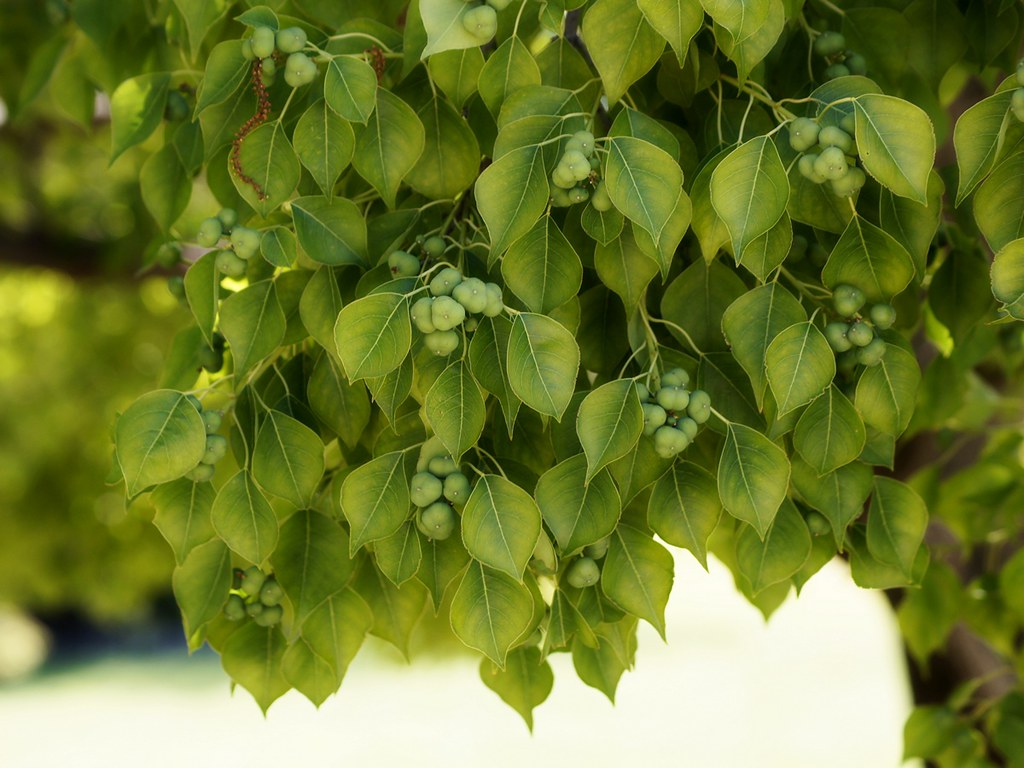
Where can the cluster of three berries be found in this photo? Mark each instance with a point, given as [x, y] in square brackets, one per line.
[216, 445]
[244, 242]
[299, 69]
[254, 594]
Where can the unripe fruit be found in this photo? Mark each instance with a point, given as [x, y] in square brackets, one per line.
[835, 334]
[563, 178]
[860, 334]
[857, 64]
[688, 427]
[817, 523]
[209, 232]
[425, 489]
[247, 52]
[1017, 104]
[234, 608]
[228, 263]
[872, 353]
[829, 43]
[228, 217]
[1020, 72]
[216, 449]
[176, 286]
[654, 417]
[442, 466]
[578, 195]
[836, 70]
[252, 580]
[270, 616]
[254, 609]
[807, 167]
[600, 199]
[168, 255]
[403, 264]
[245, 241]
[447, 313]
[560, 197]
[798, 249]
[499, 5]
[441, 343]
[850, 183]
[422, 315]
[434, 247]
[598, 549]
[299, 70]
[211, 359]
[699, 407]
[582, 141]
[803, 133]
[431, 449]
[831, 163]
[290, 40]
[849, 124]
[196, 402]
[882, 315]
[669, 441]
[436, 522]
[211, 420]
[673, 398]
[495, 302]
[847, 300]
[200, 473]
[834, 136]
[583, 573]
[268, 69]
[444, 282]
[576, 163]
[271, 592]
[263, 41]
[675, 377]
[642, 392]
[456, 488]
[471, 294]
[481, 22]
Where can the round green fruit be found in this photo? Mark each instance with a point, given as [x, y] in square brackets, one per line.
[436, 522]
[829, 43]
[850, 183]
[245, 241]
[210, 231]
[699, 407]
[560, 198]
[290, 40]
[803, 133]
[247, 52]
[299, 70]
[872, 353]
[216, 449]
[817, 523]
[673, 398]
[857, 64]
[675, 377]
[1020, 72]
[201, 473]
[431, 449]
[422, 315]
[797, 249]
[434, 247]
[583, 573]
[836, 70]
[688, 427]
[831, 164]
[847, 300]
[495, 301]
[263, 41]
[578, 195]
[1017, 104]
[447, 313]
[860, 334]
[576, 163]
[270, 616]
[642, 392]
[807, 165]
[598, 549]
[499, 5]
[669, 441]
[252, 580]
[654, 417]
[441, 343]
[176, 286]
[403, 264]
[234, 608]
[442, 466]
[882, 315]
[229, 263]
[834, 136]
[271, 592]
[600, 200]
[481, 22]
[457, 488]
[444, 282]
[849, 124]
[835, 334]
[425, 489]
[254, 609]
[471, 294]
[211, 420]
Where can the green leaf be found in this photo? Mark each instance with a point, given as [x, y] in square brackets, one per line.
[576, 511]
[637, 470]
[622, 45]
[451, 156]
[165, 185]
[782, 552]
[711, 232]
[508, 69]
[675, 20]
[288, 460]
[541, 267]
[609, 423]
[201, 584]
[897, 521]
[800, 365]
[375, 499]
[753, 477]
[637, 575]
[523, 684]
[871, 259]
[350, 88]
[488, 359]
[684, 508]
[748, 50]
[159, 438]
[603, 226]
[490, 611]
[311, 561]
[1008, 278]
[997, 203]
[335, 629]
[830, 432]
[739, 20]
[400, 554]
[308, 673]
[199, 16]
[442, 563]
[244, 519]
[455, 409]
[266, 157]
[643, 181]
[697, 301]
[749, 191]
[765, 253]
[183, 515]
[253, 323]
[913, 224]
[373, 335]
[319, 307]
[886, 392]
[623, 267]
[500, 525]
[324, 144]
[330, 231]
[457, 73]
[442, 20]
[344, 408]
[896, 144]
[927, 615]
[202, 290]
[253, 655]
[511, 195]
[838, 495]
[543, 360]
[136, 109]
[389, 392]
[960, 293]
[978, 137]
[389, 146]
[601, 667]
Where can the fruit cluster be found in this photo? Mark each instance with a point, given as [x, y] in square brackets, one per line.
[299, 69]
[244, 242]
[436, 489]
[584, 571]
[1017, 100]
[854, 339]
[841, 62]
[673, 414]
[255, 594]
[828, 154]
[578, 167]
[452, 296]
[481, 21]
[216, 445]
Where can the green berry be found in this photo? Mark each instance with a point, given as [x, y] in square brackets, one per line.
[834, 136]
[431, 449]
[598, 549]
[581, 141]
[808, 169]
[675, 377]
[600, 199]
[1020, 72]
[860, 334]
[290, 40]
[688, 427]
[1017, 104]
[849, 124]
[200, 473]
[831, 163]
[817, 523]
[847, 299]
[425, 489]
[857, 64]
[211, 420]
[499, 5]
[578, 195]
[403, 264]
[245, 241]
[234, 608]
[447, 313]
[299, 70]
[471, 294]
[196, 402]
[271, 592]
[669, 441]
[216, 449]
[270, 616]
[583, 573]
[457, 488]
[803, 133]
[254, 609]
[436, 522]
[442, 466]
[835, 334]
[252, 580]
[872, 353]
[699, 407]
[836, 70]
[560, 197]
[882, 315]
[434, 247]
[563, 178]
[654, 417]
[422, 315]
[642, 392]
[168, 255]
[673, 398]
[247, 52]
[481, 22]
[444, 282]
[210, 231]
[176, 286]
[263, 41]
[850, 183]
[829, 43]
[228, 263]
[441, 343]
[495, 303]
[576, 163]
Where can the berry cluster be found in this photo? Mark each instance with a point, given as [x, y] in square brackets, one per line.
[436, 489]
[673, 414]
[584, 571]
[452, 296]
[828, 154]
[299, 69]
[841, 62]
[1017, 100]
[256, 595]
[578, 167]
[244, 242]
[854, 340]
[216, 445]
[481, 21]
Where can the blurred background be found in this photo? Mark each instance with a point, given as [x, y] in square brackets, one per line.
[90, 638]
